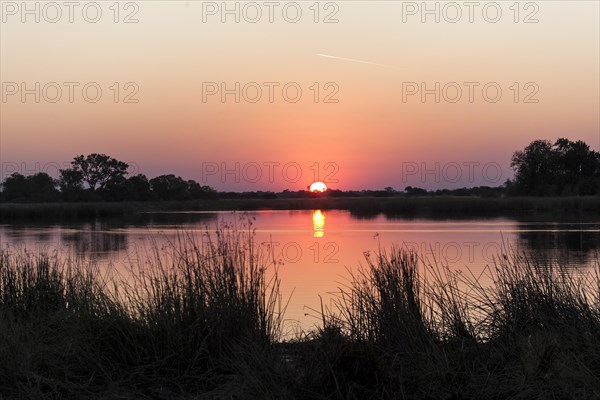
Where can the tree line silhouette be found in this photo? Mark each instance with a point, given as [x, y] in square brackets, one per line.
[542, 168]
[556, 169]
[98, 177]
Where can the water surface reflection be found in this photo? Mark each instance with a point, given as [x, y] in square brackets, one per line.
[315, 248]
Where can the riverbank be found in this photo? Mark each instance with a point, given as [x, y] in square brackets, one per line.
[206, 320]
[431, 207]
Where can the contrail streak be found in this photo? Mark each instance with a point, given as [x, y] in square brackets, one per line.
[356, 61]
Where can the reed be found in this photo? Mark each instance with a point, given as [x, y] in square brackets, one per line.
[203, 318]
[69, 329]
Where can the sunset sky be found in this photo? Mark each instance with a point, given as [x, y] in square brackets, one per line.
[377, 134]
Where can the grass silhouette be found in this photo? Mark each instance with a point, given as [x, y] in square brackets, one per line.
[203, 319]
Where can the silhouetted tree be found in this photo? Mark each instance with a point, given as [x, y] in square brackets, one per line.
[41, 187]
[577, 166]
[170, 187]
[535, 167]
[268, 195]
[70, 182]
[114, 190]
[14, 187]
[564, 167]
[98, 170]
[37, 187]
[414, 191]
[137, 188]
[196, 191]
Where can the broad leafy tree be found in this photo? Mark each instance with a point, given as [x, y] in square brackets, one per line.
[41, 187]
[170, 187]
[37, 187]
[14, 187]
[70, 182]
[197, 191]
[565, 167]
[137, 188]
[535, 167]
[98, 170]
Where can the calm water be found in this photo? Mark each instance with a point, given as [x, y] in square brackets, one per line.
[316, 248]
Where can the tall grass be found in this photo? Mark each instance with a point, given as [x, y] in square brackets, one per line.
[527, 329]
[174, 325]
[202, 318]
[200, 296]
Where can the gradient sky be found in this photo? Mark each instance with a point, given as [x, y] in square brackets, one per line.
[371, 137]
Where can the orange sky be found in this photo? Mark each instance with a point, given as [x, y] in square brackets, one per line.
[371, 136]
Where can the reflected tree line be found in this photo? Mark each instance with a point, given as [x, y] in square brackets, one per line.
[102, 239]
[109, 240]
[577, 244]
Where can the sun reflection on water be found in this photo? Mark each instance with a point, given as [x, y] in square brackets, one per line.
[318, 224]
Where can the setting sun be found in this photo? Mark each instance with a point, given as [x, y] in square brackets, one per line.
[318, 187]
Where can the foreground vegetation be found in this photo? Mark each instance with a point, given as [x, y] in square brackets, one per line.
[431, 207]
[204, 319]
